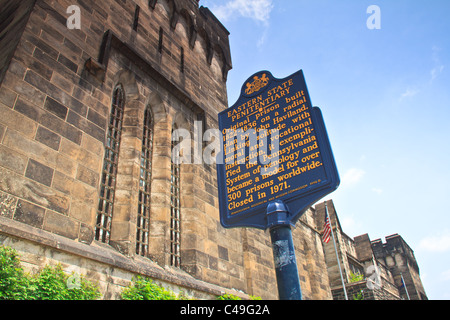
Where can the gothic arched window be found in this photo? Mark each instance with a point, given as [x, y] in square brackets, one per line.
[175, 215]
[110, 164]
[143, 217]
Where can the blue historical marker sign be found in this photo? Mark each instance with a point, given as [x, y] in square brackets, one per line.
[275, 147]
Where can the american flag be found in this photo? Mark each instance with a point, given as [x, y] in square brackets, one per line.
[326, 229]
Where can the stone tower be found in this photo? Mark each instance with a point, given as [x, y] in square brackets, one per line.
[379, 265]
[399, 258]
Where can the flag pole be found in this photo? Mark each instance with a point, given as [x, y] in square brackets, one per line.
[404, 284]
[335, 250]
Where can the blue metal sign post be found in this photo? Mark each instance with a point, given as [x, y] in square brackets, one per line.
[275, 162]
[283, 252]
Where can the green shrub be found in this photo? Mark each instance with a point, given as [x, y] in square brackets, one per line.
[14, 283]
[228, 296]
[144, 289]
[52, 283]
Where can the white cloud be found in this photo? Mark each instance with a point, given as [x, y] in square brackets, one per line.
[409, 93]
[262, 39]
[377, 190]
[436, 243]
[352, 177]
[255, 9]
[438, 66]
[436, 71]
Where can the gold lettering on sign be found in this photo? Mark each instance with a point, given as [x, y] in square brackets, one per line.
[278, 114]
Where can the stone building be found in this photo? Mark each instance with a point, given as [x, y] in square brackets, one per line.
[86, 173]
[86, 177]
[381, 265]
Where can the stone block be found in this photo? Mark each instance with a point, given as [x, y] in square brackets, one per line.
[28, 109]
[19, 122]
[62, 182]
[30, 214]
[223, 253]
[17, 68]
[93, 145]
[39, 172]
[68, 63]
[96, 118]
[41, 69]
[61, 225]
[7, 205]
[83, 212]
[87, 176]
[63, 83]
[121, 231]
[49, 138]
[56, 108]
[83, 192]
[7, 96]
[66, 165]
[12, 160]
[86, 234]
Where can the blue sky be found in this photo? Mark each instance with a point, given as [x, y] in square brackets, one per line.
[384, 94]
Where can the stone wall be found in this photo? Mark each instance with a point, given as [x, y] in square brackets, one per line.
[101, 264]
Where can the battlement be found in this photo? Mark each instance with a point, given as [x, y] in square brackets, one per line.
[174, 40]
[199, 23]
[394, 244]
[181, 44]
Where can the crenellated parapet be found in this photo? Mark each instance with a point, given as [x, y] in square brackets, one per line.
[201, 22]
